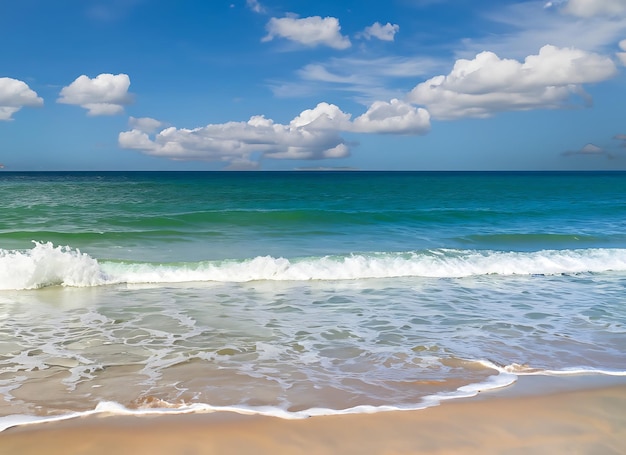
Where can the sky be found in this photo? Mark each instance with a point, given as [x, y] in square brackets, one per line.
[283, 85]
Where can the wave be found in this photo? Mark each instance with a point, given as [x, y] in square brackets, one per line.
[49, 265]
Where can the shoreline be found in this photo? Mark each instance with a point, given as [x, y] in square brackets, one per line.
[577, 414]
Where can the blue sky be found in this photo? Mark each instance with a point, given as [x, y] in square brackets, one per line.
[283, 84]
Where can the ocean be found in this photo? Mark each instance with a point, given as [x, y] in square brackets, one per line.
[302, 293]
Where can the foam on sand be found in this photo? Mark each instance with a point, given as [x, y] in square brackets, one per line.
[580, 421]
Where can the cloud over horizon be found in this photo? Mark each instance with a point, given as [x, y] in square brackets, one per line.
[106, 94]
[14, 95]
[314, 134]
[590, 150]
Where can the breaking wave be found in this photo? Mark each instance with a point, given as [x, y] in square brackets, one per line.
[49, 265]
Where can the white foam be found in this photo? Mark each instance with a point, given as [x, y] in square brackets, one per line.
[506, 375]
[46, 265]
[525, 370]
[114, 408]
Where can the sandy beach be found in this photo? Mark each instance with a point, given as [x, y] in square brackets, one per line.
[581, 421]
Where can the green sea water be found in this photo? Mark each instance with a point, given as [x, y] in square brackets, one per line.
[295, 293]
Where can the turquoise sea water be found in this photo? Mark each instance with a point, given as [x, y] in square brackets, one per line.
[302, 293]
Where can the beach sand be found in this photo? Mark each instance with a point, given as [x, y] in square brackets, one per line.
[589, 420]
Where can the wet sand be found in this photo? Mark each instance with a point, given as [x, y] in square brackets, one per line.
[589, 420]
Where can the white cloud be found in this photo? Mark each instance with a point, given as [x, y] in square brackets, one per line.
[324, 116]
[309, 31]
[609, 151]
[394, 117]
[106, 94]
[488, 84]
[14, 95]
[313, 134]
[145, 124]
[589, 8]
[590, 150]
[255, 6]
[622, 55]
[385, 32]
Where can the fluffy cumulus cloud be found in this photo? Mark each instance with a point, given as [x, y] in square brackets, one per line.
[309, 31]
[488, 84]
[589, 8]
[394, 117]
[385, 32]
[313, 134]
[324, 116]
[14, 95]
[308, 136]
[106, 94]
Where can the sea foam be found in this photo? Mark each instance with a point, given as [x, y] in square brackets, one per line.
[504, 377]
[114, 408]
[49, 265]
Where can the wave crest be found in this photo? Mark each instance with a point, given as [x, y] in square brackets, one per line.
[47, 265]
